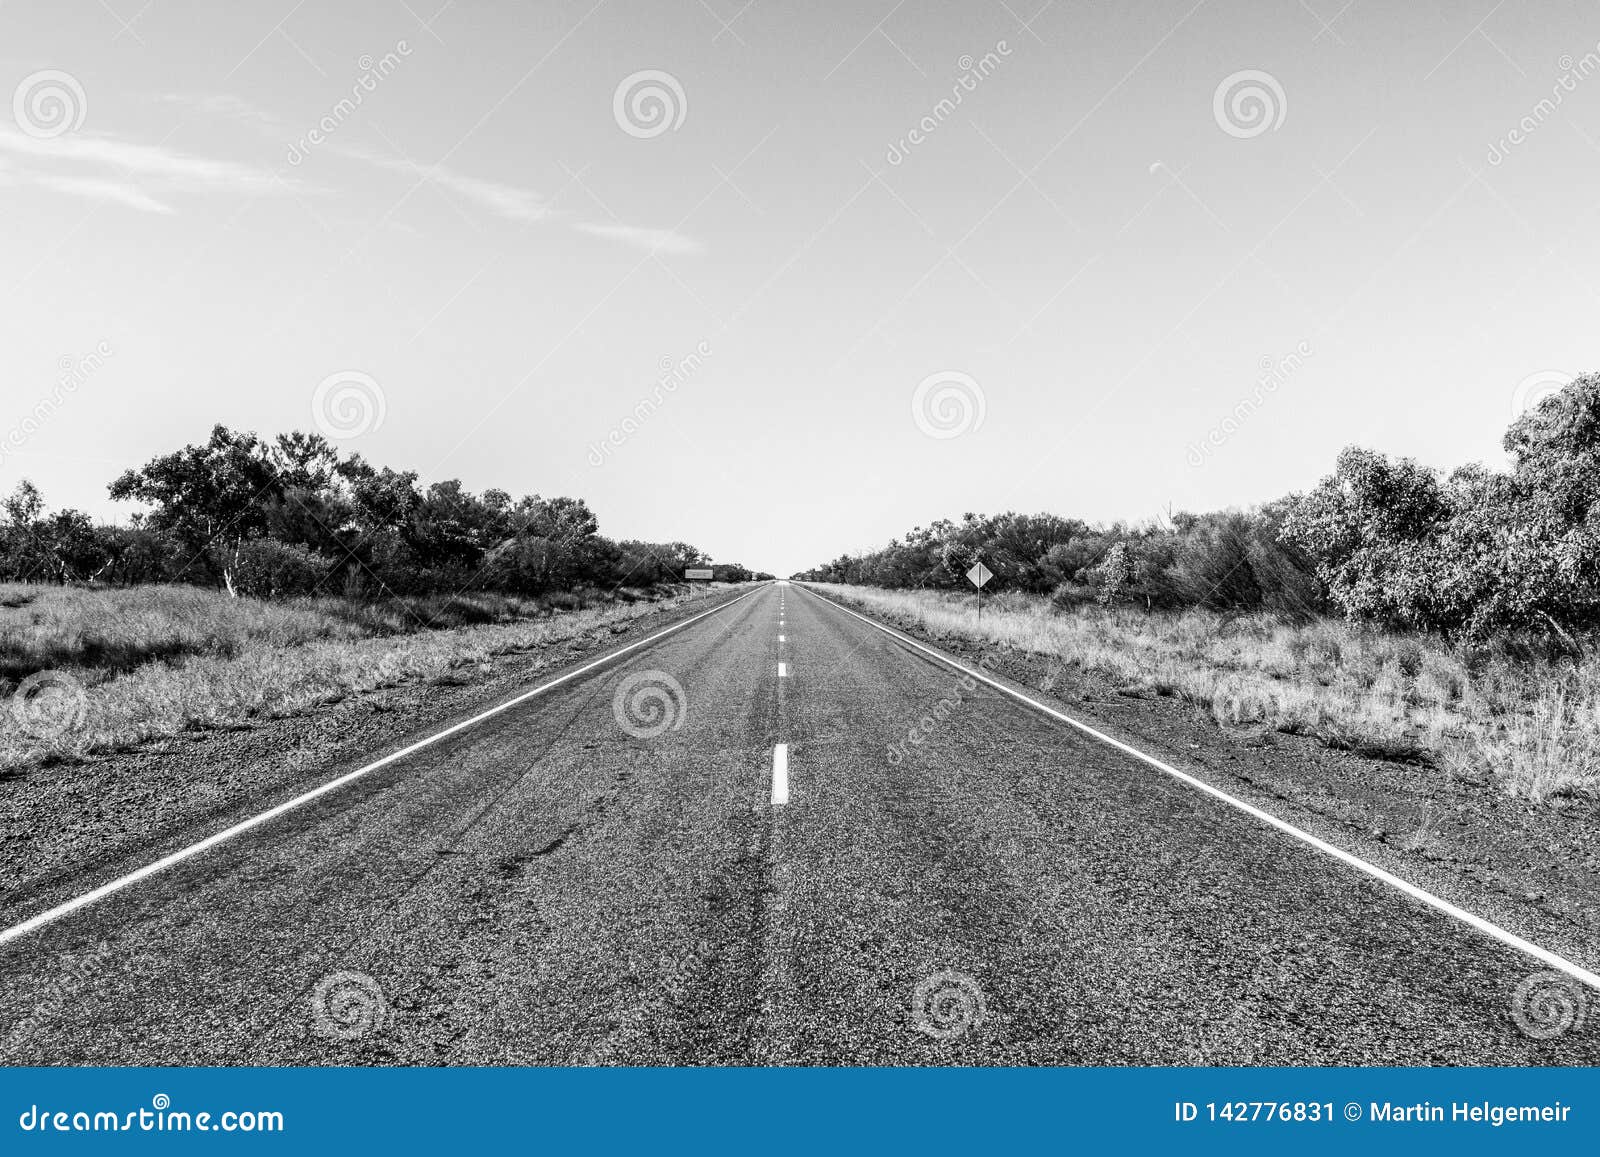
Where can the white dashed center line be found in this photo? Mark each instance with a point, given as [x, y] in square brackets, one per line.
[780, 774]
[780, 751]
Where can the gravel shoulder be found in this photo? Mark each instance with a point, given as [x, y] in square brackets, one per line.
[68, 827]
[1533, 869]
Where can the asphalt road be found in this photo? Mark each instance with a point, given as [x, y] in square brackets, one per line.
[546, 887]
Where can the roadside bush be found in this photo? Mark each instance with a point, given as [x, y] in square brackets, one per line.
[268, 569]
[1475, 555]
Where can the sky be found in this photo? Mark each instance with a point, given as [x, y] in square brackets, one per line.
[784, 279]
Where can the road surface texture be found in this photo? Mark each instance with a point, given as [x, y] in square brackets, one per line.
[549, 886]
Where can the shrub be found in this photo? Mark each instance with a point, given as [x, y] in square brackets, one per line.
[265, 568]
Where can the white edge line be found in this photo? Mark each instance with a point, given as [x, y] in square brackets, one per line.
[1488, 928]
[780, 774]
[51, 915]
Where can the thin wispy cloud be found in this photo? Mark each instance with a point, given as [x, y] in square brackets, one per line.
[136, 176]
[522, 205]
[173, 169]
[508, 201]
[103, 189]
[655, 240]
[221, 106]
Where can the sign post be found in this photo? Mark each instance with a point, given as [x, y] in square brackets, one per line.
[698, 572]
[977, 576]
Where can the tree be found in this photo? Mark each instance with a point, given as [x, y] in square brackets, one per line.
[25, 555]
[211, 497]
[290, 515]
[36, 546]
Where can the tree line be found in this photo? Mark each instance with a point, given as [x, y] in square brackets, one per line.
[1468, 553]
[291, 515]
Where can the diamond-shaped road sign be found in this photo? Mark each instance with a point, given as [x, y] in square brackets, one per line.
[979, 574]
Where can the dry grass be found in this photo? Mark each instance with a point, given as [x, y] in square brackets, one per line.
[1528, 723]
[103, 632]
[99, 632]
[158, 661]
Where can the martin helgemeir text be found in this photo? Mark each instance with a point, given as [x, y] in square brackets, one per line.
[1463, 1112]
